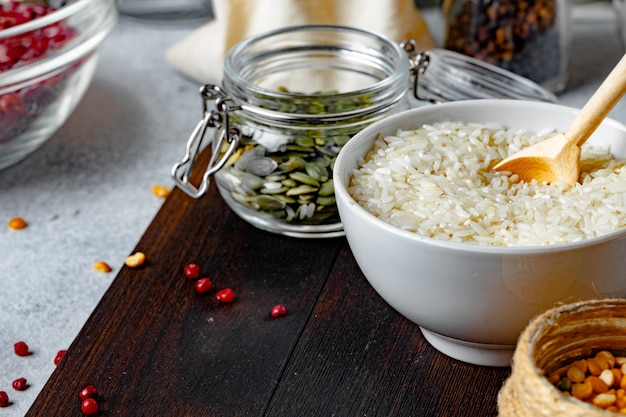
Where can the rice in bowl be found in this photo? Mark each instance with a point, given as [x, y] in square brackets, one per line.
[436, 181]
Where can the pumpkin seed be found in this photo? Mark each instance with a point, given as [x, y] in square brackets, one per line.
[291, 164]
[302, 149]
[327, 188]
[280, 190]
[260, 166]
[268, 203]
[304, 178]
[286, 199]
[316, 171]
[325, 201]
[341, 139]
[301, 189]
[305, 141]
[251, 181]
[305, 198]
[323, 161]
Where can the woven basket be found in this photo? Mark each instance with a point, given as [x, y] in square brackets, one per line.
[552, 340]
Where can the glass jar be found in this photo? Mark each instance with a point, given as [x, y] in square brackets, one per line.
[620, 13]
[528, 37]
[161, 11]
[292, 97]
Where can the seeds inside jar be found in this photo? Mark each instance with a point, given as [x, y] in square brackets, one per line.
[599, 380]
[287, 174]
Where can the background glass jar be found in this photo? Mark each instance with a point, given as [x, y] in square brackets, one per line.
[528, 37]
[160, 11]
[620, 12]
[292, 97]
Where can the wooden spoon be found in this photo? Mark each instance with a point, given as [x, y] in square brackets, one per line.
[557, 159]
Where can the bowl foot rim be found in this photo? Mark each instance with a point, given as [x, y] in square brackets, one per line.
[483, 354]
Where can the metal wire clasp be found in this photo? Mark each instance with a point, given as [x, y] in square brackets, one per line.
[216, 106]
[418, 61]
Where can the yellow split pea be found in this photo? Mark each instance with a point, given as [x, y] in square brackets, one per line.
[160, 191]
[135, 260]
[101, 266]
[17, 223]
[599, 380]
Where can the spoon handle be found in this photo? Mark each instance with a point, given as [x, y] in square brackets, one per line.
[599, 105]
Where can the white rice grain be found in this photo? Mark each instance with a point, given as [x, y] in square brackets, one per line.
[436, 181]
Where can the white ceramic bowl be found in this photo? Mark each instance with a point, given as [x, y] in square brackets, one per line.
[472, 301]
[37, 97]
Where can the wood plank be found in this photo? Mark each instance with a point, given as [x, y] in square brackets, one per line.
[154, 347]
[358, 357]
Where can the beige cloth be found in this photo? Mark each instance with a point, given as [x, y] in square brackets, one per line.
[200, 55]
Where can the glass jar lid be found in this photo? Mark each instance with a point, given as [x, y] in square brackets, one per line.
[442, 75]
[284, 74]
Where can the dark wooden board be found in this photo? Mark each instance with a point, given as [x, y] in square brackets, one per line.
[154, 347]
[358, 357]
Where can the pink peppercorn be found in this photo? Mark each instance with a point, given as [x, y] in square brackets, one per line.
[20, 384]
[21, 349]
[279, 310]
[4, 399]
[226, 295]
[59, 356]
[89, 406]
[204, 285]
[34, 44]
[192, 271]
[88, 392]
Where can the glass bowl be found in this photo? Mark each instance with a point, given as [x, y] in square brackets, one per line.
[39, 94]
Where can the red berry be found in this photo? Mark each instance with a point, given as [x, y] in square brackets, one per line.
[226, 295]
[59, 356]
[21, 349]
[20, 384]
[88, 392]
[89, 406]
[279, 310]
[26, 47]
[19, 107]
[4, 399]
[192, 271]
[203, 285]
